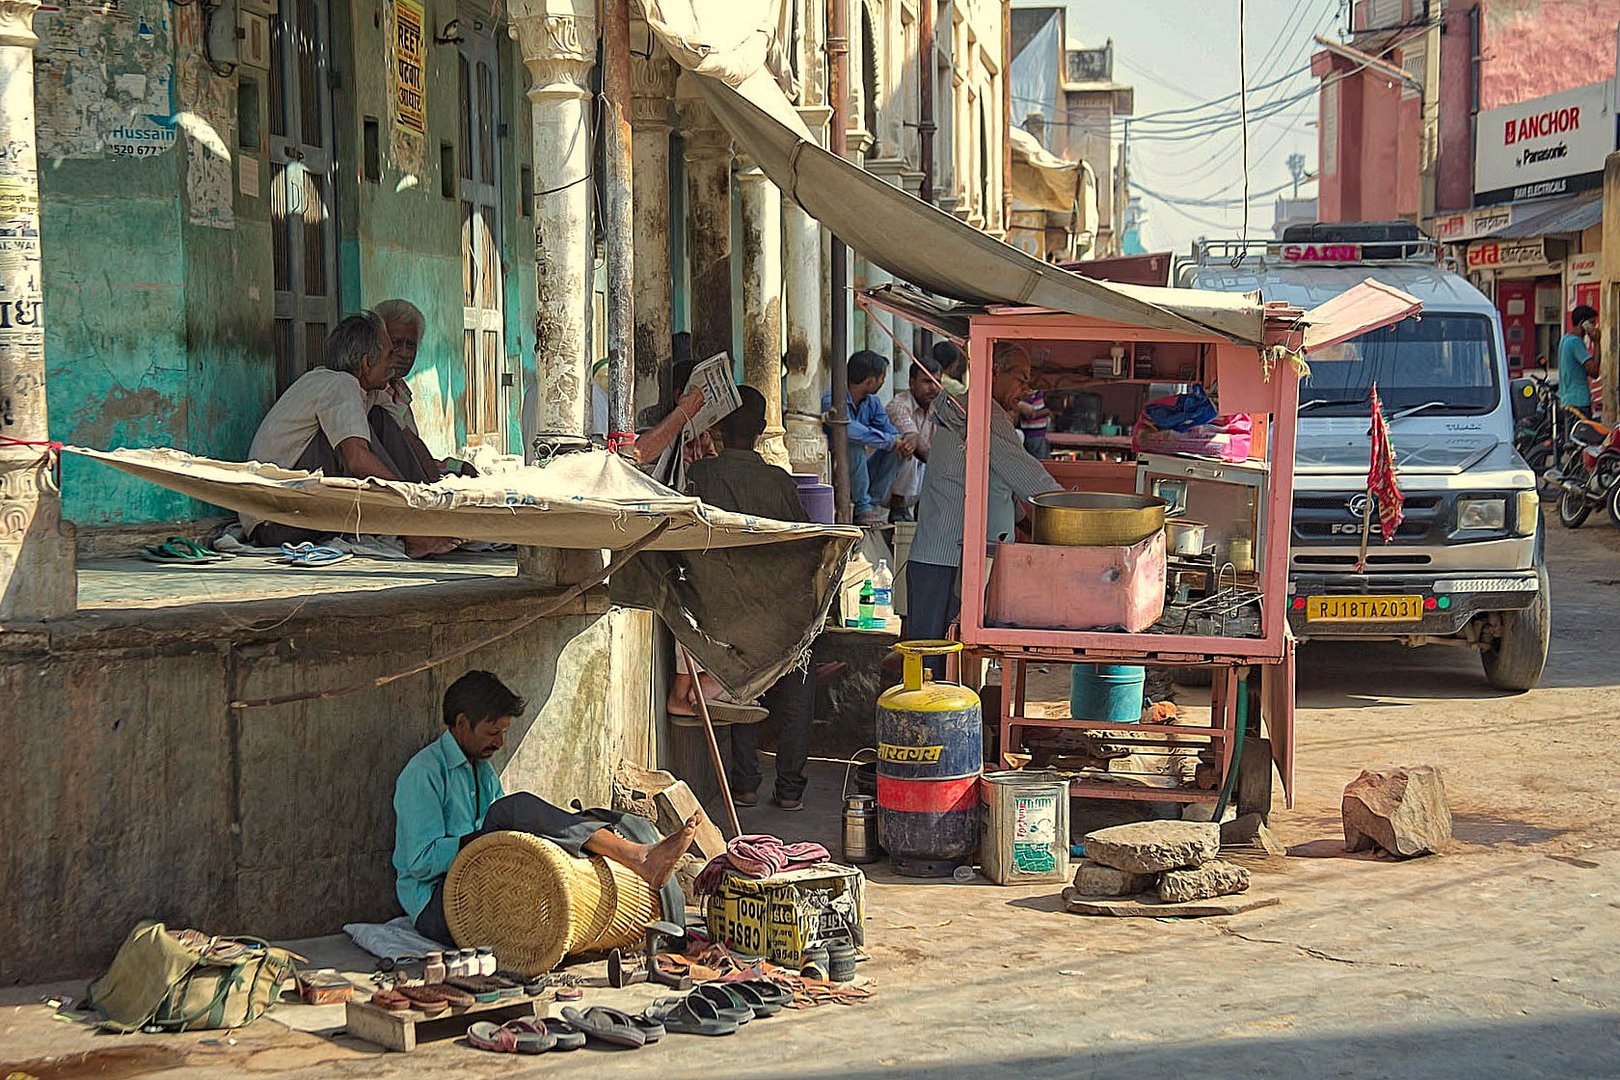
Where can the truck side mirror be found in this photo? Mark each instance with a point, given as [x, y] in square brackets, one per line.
[1523, 392]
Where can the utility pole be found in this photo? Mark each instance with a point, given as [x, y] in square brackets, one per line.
[1122, 187]
[1296, 169]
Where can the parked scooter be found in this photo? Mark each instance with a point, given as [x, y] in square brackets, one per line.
[1588, 475]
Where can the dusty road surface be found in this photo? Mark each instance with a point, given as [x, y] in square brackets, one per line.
[1500, 957]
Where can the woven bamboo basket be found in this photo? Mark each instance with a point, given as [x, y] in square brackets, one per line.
[534, 904]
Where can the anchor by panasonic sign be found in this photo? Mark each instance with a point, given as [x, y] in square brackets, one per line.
[1547, 146]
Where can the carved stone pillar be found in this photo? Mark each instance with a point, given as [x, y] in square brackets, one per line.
[37, 575]
[708, 173]
[558, 42]
[804, 282]
[761, 204]
[652, 117]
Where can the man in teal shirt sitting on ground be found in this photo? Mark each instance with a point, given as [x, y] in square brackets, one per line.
[1576, 364]
[448, 795]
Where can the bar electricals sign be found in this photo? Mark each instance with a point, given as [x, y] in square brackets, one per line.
[1550, 145]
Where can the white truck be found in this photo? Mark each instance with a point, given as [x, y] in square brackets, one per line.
[1466, 565]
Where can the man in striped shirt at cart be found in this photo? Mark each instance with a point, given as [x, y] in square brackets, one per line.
[934, 565]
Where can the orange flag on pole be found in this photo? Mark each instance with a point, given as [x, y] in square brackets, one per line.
[1383, 483]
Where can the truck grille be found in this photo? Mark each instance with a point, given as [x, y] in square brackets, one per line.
[1323, 518]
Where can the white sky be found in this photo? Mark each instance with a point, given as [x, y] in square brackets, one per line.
[1180, 53]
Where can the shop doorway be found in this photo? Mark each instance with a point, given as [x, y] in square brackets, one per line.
[303, 203]
[483, 405]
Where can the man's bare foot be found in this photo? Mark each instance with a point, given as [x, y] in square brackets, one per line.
[655, 863]
[420, 547]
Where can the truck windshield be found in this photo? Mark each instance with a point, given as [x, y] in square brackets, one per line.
[1446, 362]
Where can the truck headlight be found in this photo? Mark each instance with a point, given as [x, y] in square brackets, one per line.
[1481, 514]
[1529, 515]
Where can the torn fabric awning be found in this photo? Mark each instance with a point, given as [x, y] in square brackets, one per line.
[746, 595]
[592, 500]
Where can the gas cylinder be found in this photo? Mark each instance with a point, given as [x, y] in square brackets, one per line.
[930, 753]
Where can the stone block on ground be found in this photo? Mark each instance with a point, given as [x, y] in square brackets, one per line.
[675, 804]
[1095, 879]
[1250, 830]
[1400, 810]
[1147, 847]
[1203, 882]
[634, 788]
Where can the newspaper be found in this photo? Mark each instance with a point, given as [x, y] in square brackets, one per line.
[720, 398]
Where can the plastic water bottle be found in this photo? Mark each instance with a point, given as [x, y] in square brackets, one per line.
[865, 614]
[882, 593]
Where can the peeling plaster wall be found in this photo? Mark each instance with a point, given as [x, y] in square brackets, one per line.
[158, 275]
[146, 796]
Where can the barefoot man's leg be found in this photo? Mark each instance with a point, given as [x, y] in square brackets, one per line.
[654, 863]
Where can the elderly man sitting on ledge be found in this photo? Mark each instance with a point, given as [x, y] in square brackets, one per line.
[448, 795]
[324, 423]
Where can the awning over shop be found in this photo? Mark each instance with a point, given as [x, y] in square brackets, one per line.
[1043, 181]
[931, 249]
[1571, 215]
[592, 500]
[746, 595]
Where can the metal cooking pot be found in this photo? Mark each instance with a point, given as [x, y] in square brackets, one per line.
[1096, 519]
[1185, 537]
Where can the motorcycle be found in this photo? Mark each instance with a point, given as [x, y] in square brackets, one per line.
[1536, 430]
[1589, 475]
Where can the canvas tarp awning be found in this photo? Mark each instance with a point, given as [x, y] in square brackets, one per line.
[1043, 181]
[590, 500]
[933, 250]
[746, 595]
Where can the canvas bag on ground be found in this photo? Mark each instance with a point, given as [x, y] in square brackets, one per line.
[184, 980]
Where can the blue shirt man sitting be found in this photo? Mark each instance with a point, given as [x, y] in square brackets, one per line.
[875, 447]
[448, 795]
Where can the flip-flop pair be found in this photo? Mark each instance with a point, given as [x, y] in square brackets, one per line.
[523, 1037]
[181, 551]
[308, 554]
[615, 1027]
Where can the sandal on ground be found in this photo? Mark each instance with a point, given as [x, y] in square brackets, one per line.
[772, 998]
[178, 551]
[691, 1016]
[568, 1036]
[533, 1035]
[732, 1005]
[606, 1025]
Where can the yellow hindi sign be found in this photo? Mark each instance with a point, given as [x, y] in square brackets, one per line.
[410, 60]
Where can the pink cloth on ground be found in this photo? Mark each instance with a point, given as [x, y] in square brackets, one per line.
[758, 855]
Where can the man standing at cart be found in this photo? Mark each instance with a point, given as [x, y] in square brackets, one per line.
[935, 564]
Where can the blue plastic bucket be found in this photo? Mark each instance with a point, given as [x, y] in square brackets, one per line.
[1107, 693]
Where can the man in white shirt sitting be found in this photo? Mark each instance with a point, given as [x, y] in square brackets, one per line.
[324, 422]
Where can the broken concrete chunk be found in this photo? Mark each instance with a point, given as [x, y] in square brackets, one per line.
[1147, 847]
[1095, 879]
[1203, 882]
[1400, 810]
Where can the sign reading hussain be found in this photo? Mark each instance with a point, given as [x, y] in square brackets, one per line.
[1551, 145]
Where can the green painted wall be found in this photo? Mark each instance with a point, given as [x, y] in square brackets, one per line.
[158, 275]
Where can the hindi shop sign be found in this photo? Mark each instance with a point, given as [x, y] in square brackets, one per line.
[410, 63]
[1497, 254]
[1551, 145]
[1471, 224]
